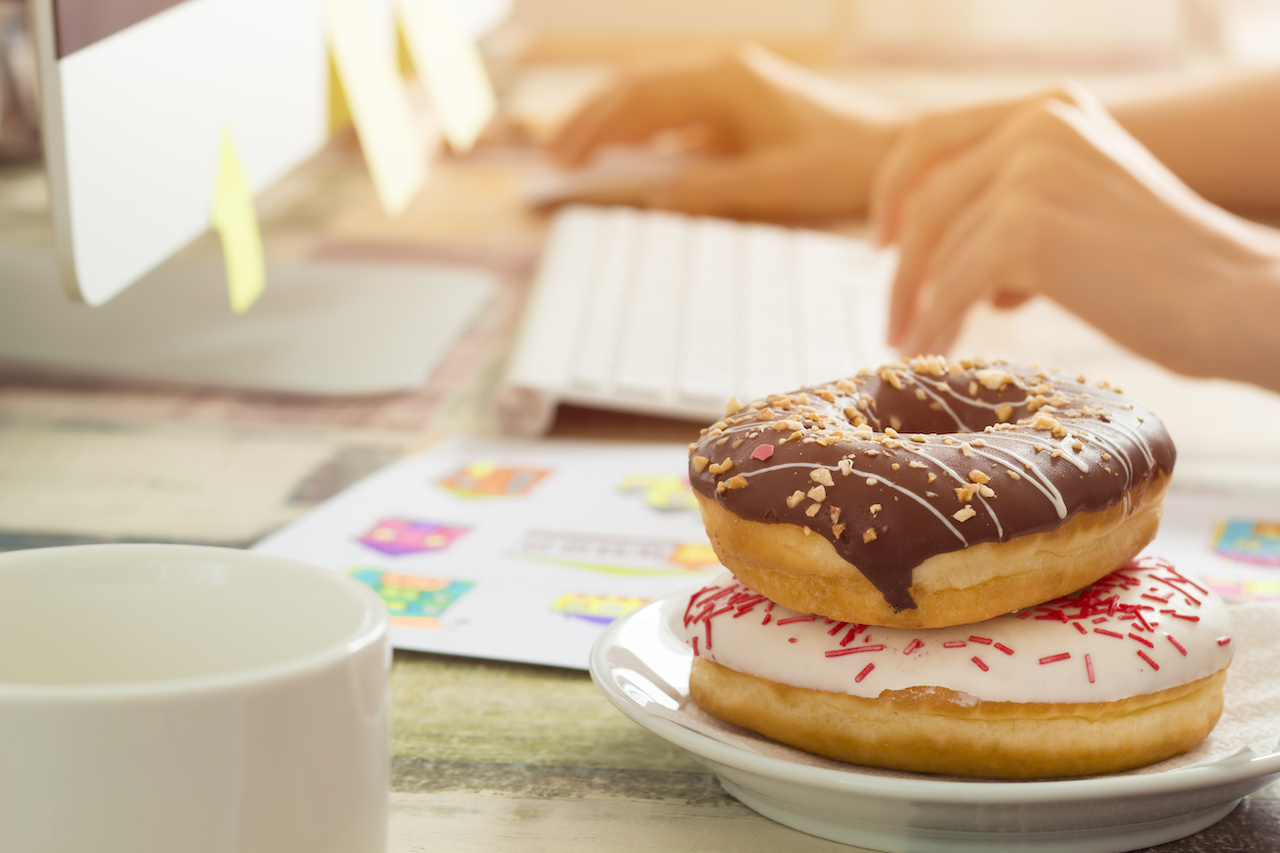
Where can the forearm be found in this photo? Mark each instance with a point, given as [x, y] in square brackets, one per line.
[1222, 138]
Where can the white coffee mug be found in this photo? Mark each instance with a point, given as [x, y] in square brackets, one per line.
[184, 699]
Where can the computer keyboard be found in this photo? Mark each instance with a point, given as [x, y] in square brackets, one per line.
[669, 314]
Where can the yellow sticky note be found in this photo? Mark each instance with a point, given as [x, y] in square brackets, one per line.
[450, 67]
[392, 143]
[237, 225]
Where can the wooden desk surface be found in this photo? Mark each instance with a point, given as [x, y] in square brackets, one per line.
[486, 756]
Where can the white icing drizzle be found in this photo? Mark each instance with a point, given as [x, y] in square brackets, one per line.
[1142, 629]
[911, 493]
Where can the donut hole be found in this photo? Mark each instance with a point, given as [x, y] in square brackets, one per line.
[943, 409]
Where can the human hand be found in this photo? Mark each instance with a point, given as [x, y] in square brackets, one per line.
[1049, 195]
[792, 144]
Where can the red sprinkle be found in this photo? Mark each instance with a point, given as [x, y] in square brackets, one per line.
[866, 670]
[1107, 633]
[912, 646]
[768, 617]
[1176, 644]
[1055, 658]
[791, 639]
[791, 619]
[983, 640]
[1143, 655]
[954, 644]
[1222, 641]
[1088, 667]
[695, 647]
[835, 653]
[848, 638]
[978, 661]
[1002, 647]
[763, 452]
[708, 624]
[1188, 618]
[1080, 628]
[836, 630]
[1143, 640]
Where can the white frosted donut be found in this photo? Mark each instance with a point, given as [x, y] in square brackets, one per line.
[1125, 673]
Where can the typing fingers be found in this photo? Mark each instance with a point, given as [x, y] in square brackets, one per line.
[777, 183]
[969, 265]
[933, 138]
[718, 96]
[1011, 168]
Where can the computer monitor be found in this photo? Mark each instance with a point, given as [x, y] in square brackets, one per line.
[135, 100]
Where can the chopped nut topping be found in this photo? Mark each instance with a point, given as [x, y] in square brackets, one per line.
[933, 365]
[1013, 474]
[846, 467]
[822, 475]
[892, 377]
[721, 467]
[795, 499]
[732, 406]
[813, 510]
[964, 514]
[837, 530]
[964, 494]
[868, 535]
[992, 379]
[978, 477]
[871, 481]
[932, 477]
[1004, 412]
[875, 508]
[738, 482]
[700, 464]
[919, 438]
[835, 514]
[916, 463]
[818, 493]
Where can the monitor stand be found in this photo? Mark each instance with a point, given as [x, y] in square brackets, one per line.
[325, 328]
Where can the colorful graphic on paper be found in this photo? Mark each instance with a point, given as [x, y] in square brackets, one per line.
[598, 609]
[1249, 541]
[396, 537]
[616, 554]
[487, 480]
[412, 600]
[1244, 589]
[664, 492]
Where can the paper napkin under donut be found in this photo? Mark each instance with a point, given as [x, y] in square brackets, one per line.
[1250, 718]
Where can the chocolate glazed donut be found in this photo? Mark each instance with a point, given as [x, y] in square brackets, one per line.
[929, 493]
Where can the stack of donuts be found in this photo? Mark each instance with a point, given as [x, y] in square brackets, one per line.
[932, 568]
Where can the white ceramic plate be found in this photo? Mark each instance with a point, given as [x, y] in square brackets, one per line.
[643, 668]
